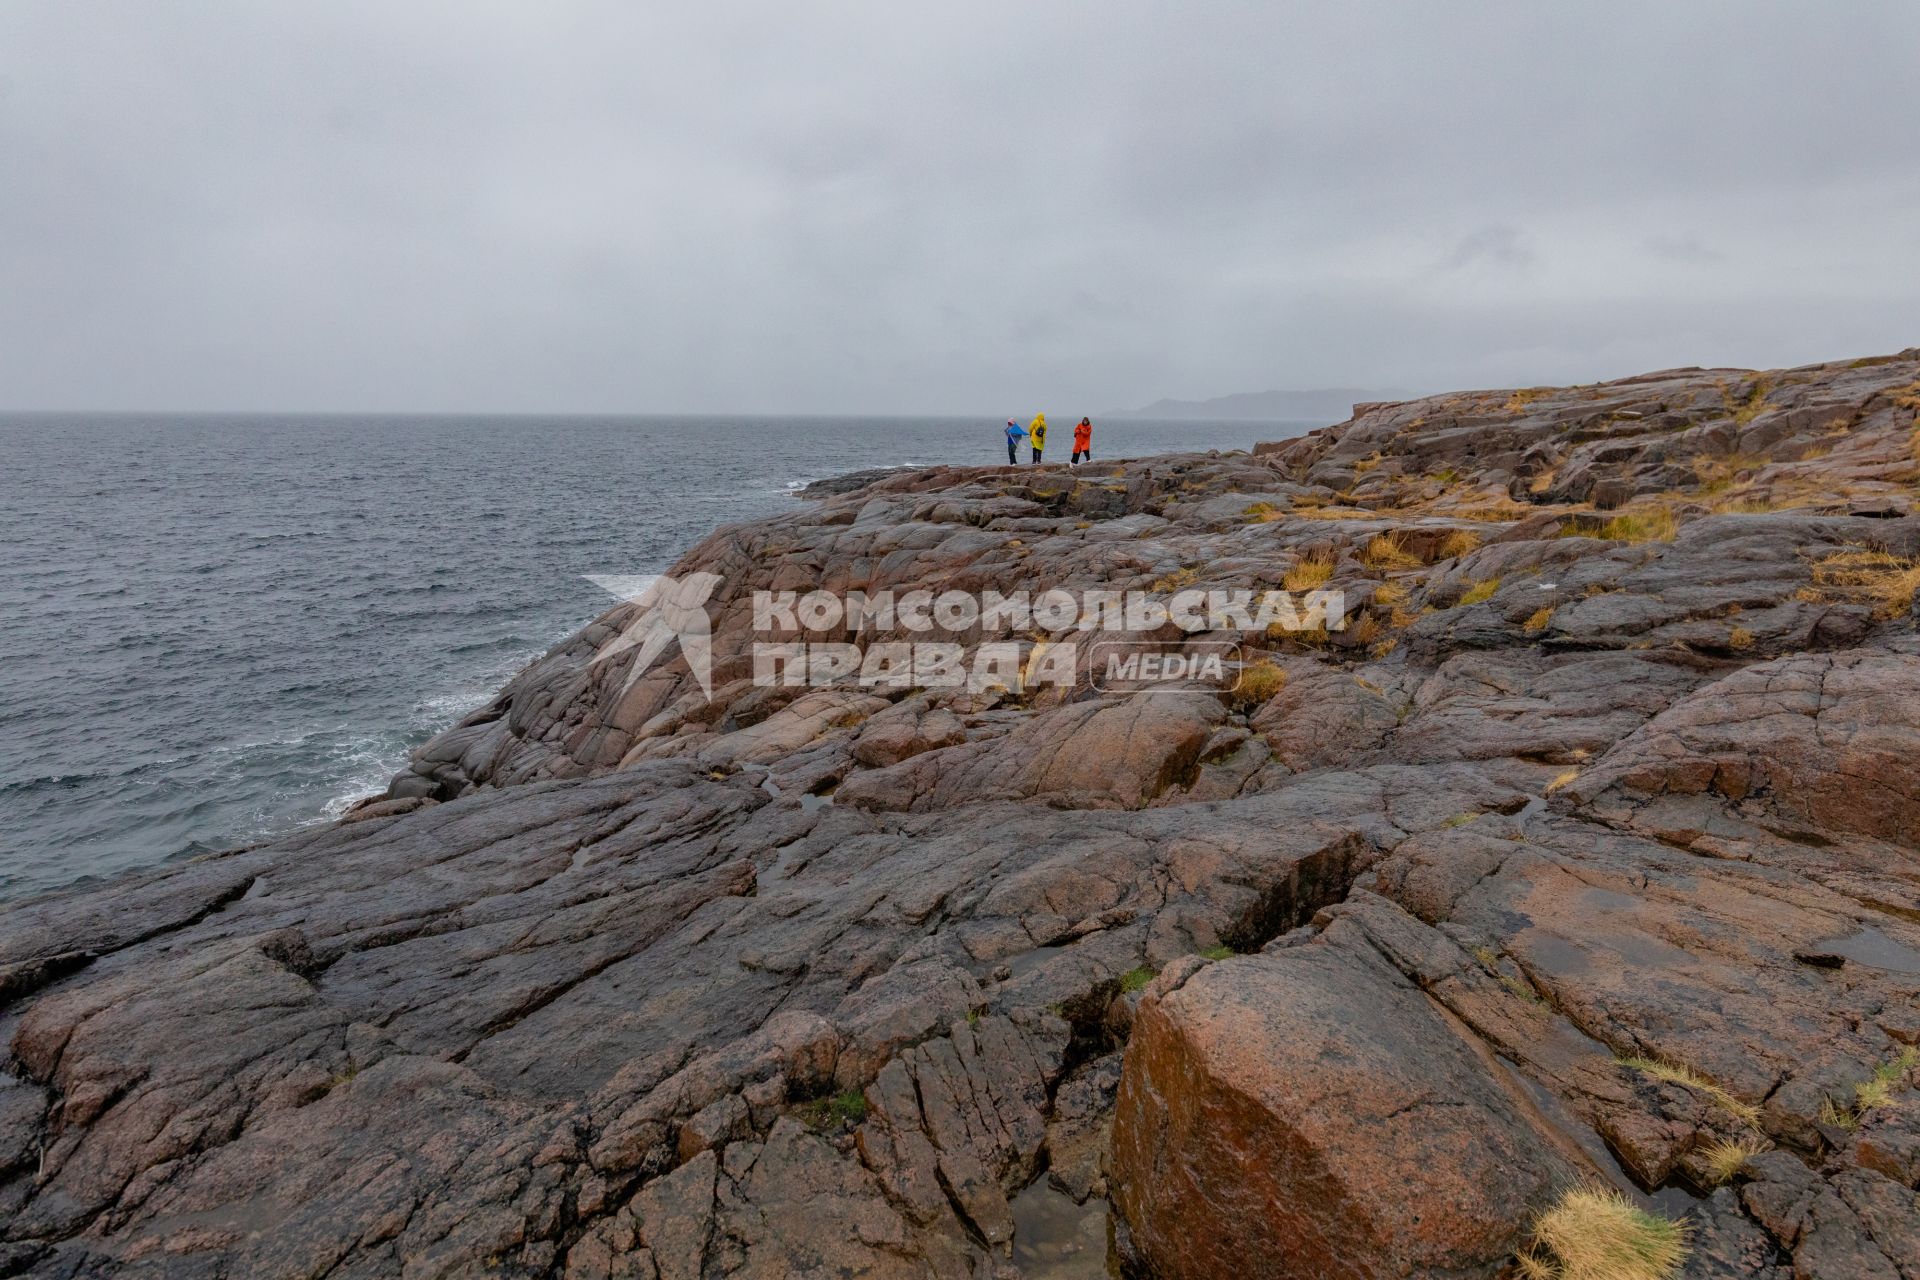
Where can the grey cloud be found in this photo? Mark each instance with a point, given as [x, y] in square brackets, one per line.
[1682, 248]
[1496, 246]
[601, 205]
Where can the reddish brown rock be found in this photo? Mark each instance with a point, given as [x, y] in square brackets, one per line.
[1310, 1113]
[1814, 742]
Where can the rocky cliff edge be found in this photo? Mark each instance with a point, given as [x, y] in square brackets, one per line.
[1587, 852]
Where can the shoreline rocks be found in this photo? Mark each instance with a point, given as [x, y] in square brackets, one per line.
[1588, 850]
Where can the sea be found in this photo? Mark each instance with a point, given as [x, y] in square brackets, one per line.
[215, 630]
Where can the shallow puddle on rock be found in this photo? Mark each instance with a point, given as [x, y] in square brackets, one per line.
[1874, 949]
[1526, 813]
[1027, 961]
[1673, 1200]
[1553, 955]
[1610, 900]
[1056, 1239]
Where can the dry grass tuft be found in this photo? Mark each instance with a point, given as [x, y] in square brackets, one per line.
[1726, 1158]
[1525, 396]
[1392, 597]
[1174, 581]
[1479, 591]
[1889, 581]
[1257, 512]
[1739, 638]
[1383, 551]
[1831, 1113]
[1878, 1089]
[1596, 1233]
[1363, 465]
[1717, 475]
[1561, 780]
[1459, 543]
[1756, 403]
[1650, 524]
[1686, 1077]
[1309, 572]
[1537, 621]
[1257, 684]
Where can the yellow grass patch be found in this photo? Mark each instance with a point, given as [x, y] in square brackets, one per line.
[1716, 475]
[1889, 581]
[1537, 621]
[1744, 506]
[1392, 597]
[1258, 682]
[1650, 524]
[1687, 1078]
[1383, 551]
[1492, 512]
[1175, 580]
[1878, 1089]
[1755, 404]
[1459, 543]
[1725, 1159]
[1838, 1116]
[1478, 591]
[1596, 1233]
[1307, 573]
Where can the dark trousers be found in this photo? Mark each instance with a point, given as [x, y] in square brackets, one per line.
[1082, 453]
[1013, 454]
[1036, 453]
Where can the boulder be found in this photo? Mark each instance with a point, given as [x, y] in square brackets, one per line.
[1310, 1112]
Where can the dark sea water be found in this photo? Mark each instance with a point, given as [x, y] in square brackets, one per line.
[214, 630]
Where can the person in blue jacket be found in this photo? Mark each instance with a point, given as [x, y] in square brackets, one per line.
[1015, 434]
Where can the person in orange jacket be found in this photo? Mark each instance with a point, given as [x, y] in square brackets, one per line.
[1083, 442]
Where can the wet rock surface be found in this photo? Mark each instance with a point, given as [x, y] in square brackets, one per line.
[1589, 846]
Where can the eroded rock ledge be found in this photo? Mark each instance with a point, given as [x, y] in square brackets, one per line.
[1595, 842]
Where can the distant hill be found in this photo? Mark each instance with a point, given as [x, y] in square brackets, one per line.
[1331, 404]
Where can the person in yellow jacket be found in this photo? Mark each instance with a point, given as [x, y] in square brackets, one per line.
[1038, 432]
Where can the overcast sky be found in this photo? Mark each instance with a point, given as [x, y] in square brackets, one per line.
[889, 207]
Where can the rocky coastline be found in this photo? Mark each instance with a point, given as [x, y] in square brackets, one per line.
[1587, 853]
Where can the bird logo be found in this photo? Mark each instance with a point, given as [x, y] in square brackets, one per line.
[668, 609]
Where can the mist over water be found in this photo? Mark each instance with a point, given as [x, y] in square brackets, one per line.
[215, 630]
